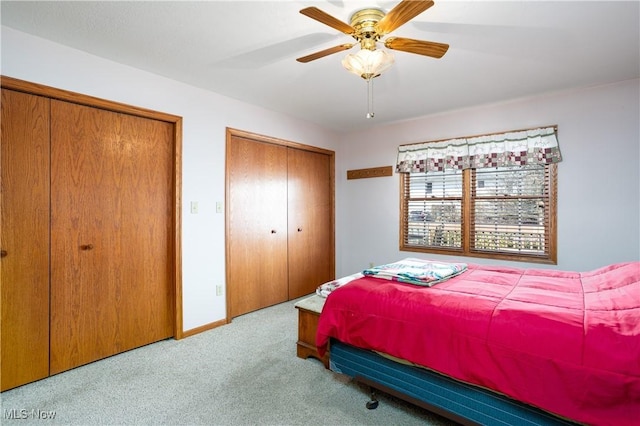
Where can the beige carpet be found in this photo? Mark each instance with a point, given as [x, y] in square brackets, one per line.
[243, 373]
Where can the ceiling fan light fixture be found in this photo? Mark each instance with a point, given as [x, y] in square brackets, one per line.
[368, 63]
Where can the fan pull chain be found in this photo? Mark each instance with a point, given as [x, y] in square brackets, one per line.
[370, 113]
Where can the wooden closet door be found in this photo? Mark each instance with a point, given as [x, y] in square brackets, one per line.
[256, 225]
[111, 219]
[311, 254]
[24, 238]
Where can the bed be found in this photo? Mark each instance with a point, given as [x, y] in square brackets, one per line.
[493, 344]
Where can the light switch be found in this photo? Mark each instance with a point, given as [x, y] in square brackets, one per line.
[194, 207]
[218, 206]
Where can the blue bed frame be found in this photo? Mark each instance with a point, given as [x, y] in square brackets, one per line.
[458, 401]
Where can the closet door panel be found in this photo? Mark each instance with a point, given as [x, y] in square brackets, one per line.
[256, 225]
[24, 238]
[111, 248]
[310, 221]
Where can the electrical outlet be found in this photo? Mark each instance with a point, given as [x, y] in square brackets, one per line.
[218, 290]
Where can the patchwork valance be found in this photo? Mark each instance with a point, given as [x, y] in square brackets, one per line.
[534, 146]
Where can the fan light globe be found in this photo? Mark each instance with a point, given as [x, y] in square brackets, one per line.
[368, 63]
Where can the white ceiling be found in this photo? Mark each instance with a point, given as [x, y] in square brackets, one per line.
[247, 50]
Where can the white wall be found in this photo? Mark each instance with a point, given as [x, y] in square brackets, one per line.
[598, 180]
[205, 118]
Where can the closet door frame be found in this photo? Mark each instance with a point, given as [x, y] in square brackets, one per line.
[230, 134]
[80, 99]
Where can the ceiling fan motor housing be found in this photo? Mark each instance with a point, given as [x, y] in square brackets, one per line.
[364, 22]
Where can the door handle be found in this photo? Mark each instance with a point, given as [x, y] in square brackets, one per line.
[299, 229]
[273, 231]
[3, 253]
[86, 247]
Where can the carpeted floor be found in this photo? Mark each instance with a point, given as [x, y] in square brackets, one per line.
[243, 373]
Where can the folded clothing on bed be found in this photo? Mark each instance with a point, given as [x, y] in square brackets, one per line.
[325, 289]
[416, 271]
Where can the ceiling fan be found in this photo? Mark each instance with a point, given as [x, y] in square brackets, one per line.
[369, 25]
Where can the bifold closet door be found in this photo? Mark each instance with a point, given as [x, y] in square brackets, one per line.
[111, 240]
[310, 226]
[256, 225]
[24, 238]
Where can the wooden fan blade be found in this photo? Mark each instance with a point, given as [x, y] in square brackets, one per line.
[402, 13]
[325, 52]
[325, 18]
[421, 47]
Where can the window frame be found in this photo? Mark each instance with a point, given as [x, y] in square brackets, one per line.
[466, 249]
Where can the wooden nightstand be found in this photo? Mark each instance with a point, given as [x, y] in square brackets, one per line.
[308, 313]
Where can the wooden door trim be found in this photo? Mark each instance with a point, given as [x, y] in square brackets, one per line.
[230, 134]
[77, 98]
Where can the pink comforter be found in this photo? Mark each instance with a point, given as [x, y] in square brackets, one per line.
[566, 342]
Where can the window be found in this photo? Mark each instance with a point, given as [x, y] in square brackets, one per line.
[500, 210]
[434, 203]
